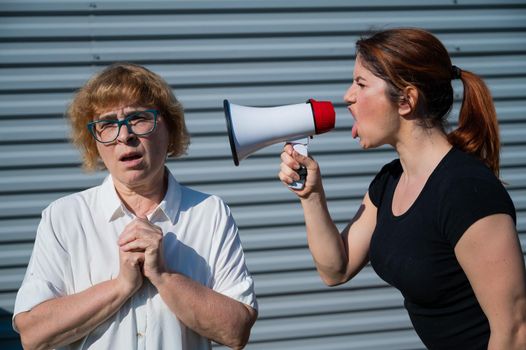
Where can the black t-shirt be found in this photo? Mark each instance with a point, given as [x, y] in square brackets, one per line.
[414, 252]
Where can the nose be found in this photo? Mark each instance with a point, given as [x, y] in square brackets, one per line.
[350, 97]
[125, 133]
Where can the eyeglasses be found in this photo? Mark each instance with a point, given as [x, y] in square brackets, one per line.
[140, 123]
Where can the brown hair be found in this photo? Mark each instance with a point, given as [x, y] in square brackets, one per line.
[414, 57]
[118, 84]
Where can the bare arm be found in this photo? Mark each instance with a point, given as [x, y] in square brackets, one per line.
[66, 319]
[338, 256]
[211, 314]
[490, 254]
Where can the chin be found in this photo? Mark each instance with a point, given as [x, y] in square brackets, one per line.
[366, 145]
[131, 175]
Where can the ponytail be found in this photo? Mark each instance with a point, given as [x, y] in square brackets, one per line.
[478, 130]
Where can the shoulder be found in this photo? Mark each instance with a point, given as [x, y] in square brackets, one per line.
[209, 214]
[459, 164]
[65, 213]
[462, 174]
[468, 191]
[72, 202]
[61, 215]
[197, 200]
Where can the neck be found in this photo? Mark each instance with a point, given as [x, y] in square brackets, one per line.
[421, 150]
[142, 200]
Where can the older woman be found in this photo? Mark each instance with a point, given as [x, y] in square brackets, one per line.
[139, 262]
[436, 223]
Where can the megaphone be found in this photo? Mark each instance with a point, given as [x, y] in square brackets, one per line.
[253, 128]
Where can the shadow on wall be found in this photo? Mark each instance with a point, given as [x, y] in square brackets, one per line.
[9, 339]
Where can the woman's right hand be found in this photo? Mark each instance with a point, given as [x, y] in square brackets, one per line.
[130, 274]
[290, 161]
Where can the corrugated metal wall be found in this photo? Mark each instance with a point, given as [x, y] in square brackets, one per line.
[259, 53]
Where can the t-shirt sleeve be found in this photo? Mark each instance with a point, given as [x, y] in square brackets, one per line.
[44, 275]
[230, 273]
[468, 200]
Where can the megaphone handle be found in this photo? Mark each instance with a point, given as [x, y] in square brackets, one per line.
[302, 148]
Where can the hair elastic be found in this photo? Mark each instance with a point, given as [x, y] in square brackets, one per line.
[455, 72]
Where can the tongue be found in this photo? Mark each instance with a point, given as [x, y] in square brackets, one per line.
[354, 131]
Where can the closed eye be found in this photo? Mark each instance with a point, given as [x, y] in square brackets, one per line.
[105, 124]
[359, 81]
[139, 117]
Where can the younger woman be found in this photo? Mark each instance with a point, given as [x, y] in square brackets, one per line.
[436, 223]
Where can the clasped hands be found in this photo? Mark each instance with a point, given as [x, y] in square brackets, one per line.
[140, 254]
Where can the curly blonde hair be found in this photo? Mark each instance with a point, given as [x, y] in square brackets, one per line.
[124, 84]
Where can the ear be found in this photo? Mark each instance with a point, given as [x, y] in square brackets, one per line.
[408, 101]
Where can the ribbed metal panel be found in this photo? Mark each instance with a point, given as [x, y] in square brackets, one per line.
[260, 53]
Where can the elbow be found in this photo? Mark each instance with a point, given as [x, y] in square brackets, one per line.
[335, 279]
[519, 335]
[30, 342]
[333, 283]
[241, 331]
[332, 275]
[511, 336]
[518, 329]
[28, 336]
[238, 344]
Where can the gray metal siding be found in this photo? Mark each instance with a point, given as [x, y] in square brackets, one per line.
[259, 53]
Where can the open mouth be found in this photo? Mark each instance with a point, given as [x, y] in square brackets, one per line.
[354, 131]
[130, 156]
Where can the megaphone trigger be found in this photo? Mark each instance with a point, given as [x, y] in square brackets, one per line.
[300, 146]
[300, 184]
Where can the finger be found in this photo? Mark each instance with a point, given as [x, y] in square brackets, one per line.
[139, 258]
[142, 218]
[144, 225]
[288, 172]
[287, 180]
[288, 149]
[289, 161]
[149, 239]
[127, 235]
[138, 245]
[130, 230]
[307, 161]
[133, 258]
[138, 228]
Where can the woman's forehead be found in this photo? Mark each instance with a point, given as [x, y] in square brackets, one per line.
[117, 109]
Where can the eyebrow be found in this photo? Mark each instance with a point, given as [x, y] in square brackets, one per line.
[108, 117]
[113, 116]
[359, 78]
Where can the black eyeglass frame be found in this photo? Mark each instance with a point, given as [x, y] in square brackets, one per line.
[126, 121]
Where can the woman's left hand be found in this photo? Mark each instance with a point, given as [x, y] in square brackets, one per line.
[141, 235]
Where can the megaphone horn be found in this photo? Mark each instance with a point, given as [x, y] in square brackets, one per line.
[253, 128]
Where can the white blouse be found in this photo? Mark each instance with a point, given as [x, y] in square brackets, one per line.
[76, 248]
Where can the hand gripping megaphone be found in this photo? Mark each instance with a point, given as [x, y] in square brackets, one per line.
[253, 128]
